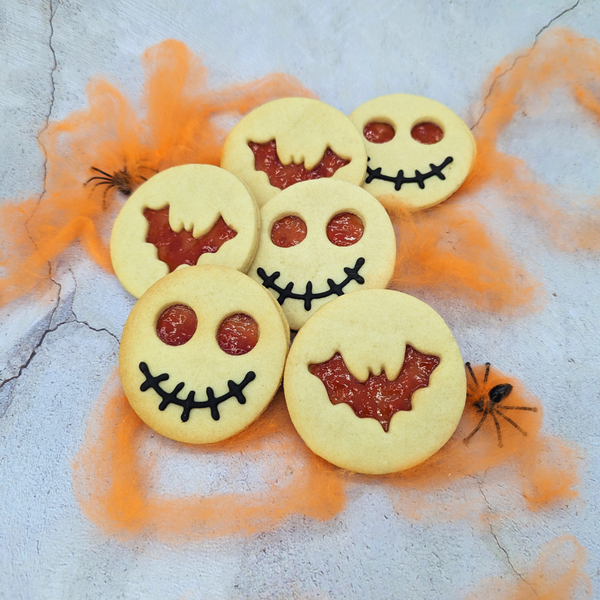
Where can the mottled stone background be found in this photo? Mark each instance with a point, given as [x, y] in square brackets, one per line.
[56, 354]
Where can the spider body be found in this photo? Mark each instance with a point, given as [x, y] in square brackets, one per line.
[490, 403]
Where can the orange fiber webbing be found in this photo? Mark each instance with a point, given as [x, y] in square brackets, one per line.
[449, 253]
[558, 574]
[559, 59]
[176, 124]
[113, 483]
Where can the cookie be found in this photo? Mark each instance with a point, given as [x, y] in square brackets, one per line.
[375, 382]
[291, 140]
[319, 240]
[419, 151]
[186, 215]
[202, 353]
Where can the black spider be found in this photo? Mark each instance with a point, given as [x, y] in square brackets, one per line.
[488, 402]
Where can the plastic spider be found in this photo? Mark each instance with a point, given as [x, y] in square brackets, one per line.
[490, 405]
[122, 180]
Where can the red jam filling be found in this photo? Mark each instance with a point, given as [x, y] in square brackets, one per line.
[377, 398]
[288, 232]
[176, 325]
[282, 176]
[345, 229]
[427, 133]
[237, 334]
[378, 133]
[183, 248]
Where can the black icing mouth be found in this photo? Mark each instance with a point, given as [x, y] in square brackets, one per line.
[308, 296]
[235, 390]
[400, 179]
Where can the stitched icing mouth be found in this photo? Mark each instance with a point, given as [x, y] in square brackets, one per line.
[400, 179]
[308, 296]
[188, 404]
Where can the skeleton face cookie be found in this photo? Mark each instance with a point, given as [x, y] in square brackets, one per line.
[186, 215]
[291, 140]
[319, 240]
[202, 354]
[375, 382]
[419, 152]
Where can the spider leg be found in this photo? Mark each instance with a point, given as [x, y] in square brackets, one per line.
[104, 197]
[94, 178]
[497, 429]
[108, 183]
[487, 372]
[468, 438]
[531, 408]
[468, 365]
[101, 171]
[511, 422]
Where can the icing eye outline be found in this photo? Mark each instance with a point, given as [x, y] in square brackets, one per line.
[237, 334]
[176, 324]
[344, 236]
[434, 132]
[379, 131]
[288, 230]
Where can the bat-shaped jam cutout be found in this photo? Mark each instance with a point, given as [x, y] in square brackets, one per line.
[378, 397]
[282, 176]
[186, 215]
[292, 140]
[182, 248]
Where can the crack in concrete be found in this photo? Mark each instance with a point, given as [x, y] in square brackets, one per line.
[38, 344]
[535, 41]
[47, 331]
[500, 546]
[99, 329]
[47, 116]
[77, 320]
[52, 93]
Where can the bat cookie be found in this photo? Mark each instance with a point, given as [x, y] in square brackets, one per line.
[202, 353]
[186, 215]
[419, 151]
[319, 240]
[291, 140]
[375, 382]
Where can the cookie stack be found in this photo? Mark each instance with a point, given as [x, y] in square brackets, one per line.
[374, 380]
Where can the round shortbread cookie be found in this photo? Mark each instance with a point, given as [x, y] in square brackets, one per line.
[414, 174]
[202, 201]
[196, 392]
[295, 136]
[353, 340]
[306, 276]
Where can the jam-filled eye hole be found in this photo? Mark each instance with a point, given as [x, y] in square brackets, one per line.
[237, 334]
[427, 133]
[345, 229]
[288, 232]
[176, 325]
[378, 133]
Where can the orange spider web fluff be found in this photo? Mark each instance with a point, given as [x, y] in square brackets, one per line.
[178, 123]
[114, 473]
[449, 252]
[447, 249]
[558, 574]
[559, 59]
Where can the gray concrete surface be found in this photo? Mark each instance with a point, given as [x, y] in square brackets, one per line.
[56, 352]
